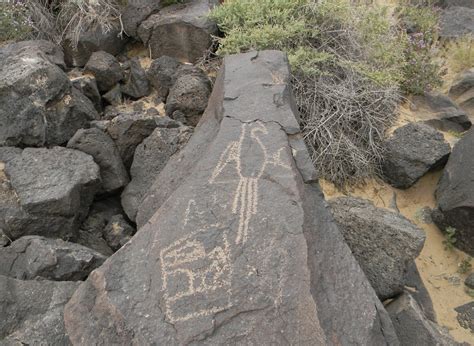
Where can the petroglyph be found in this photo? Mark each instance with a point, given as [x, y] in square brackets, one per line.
[196, 276]
[245, 201]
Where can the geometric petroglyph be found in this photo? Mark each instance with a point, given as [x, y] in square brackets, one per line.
[196, 272]
[245, 201]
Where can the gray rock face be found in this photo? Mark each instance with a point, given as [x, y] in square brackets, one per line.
[102, 148]
[135, 12]
[412, 151]
[56, 185]
[88, 86]
[117, 232]
[182, 31]
[128, 130]
[150, 158]
[162, 74]
[469, 282]
[93, 41]
[32, 311]
[451, 3]
[189, 95]
[463, 83]
[466, 316]
[38, 104]
[136, 83]
[418, 291]
[384, 243]
[45, 49]
[412, 326]
[457, 21]
[242, 250]
[106, 70]
[114, 96]
[34, 257]
[455, 194]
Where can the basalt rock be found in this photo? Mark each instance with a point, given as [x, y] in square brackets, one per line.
[34, 257]
[182, 31]
[136, 84]
[117, 232]
[102, 148]
[242, 247]
[52, 191]
[384, 242]
[106, 70]
[38, 105]
[457, 21]
[455, 194]
[150, 158]
[32, 311]
[412, 151]
[162, 74]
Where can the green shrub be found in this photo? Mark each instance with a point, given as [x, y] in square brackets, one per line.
[450, 238]
[348, 60]
[14, 22]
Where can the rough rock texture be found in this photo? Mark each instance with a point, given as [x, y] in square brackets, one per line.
[4, 241]
[414, 283]
[34, 257]
[469, 282]
[38, 104]
[128, 130]
[162, 74]
[466, 316]
[464, 82]
[135, 12]
[189, 95]
[383, 242]
[182, 31]
[243, 251]
[114, 96]
[45, 49]
[117, 232]
[88, 86]
[446, 116]
[92, 41]
[450, 3]
[412, 327]
[106, 70]
[136, 84]
[105, 153]
[92, 229]
[412, 151]
[150, 158]
[32, 311]
[55, 187]
[457, 21]
[455, 194]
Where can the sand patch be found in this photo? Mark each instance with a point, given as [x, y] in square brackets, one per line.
[438, 267]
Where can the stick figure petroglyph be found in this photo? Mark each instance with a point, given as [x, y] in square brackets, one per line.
[250, 168]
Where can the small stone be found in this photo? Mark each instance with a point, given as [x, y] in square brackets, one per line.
[105, 68]
[469, 282]
[117, 232]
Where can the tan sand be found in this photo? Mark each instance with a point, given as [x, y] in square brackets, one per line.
[438, 267]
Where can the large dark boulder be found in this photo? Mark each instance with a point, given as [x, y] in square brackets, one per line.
[32, 311]
[414, 284]
[412, 326]
[384, 242]
[94, 40]
[33, 257]
[44, 49]
[162, 74]
[456, 21]
[445, 114]
[53, 189]
[105, 68]
[182, 31]
[189, 95]
[455, 194]
[129, 129]
[466, 316]
[135, 12]
[38, 104]
[102, 148]
[88, 86]
[136, 83]
[412, 151]
[244, 249]
[150, 158]
[464, 82]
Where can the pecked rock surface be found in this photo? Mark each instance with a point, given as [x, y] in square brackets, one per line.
[242, 248]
